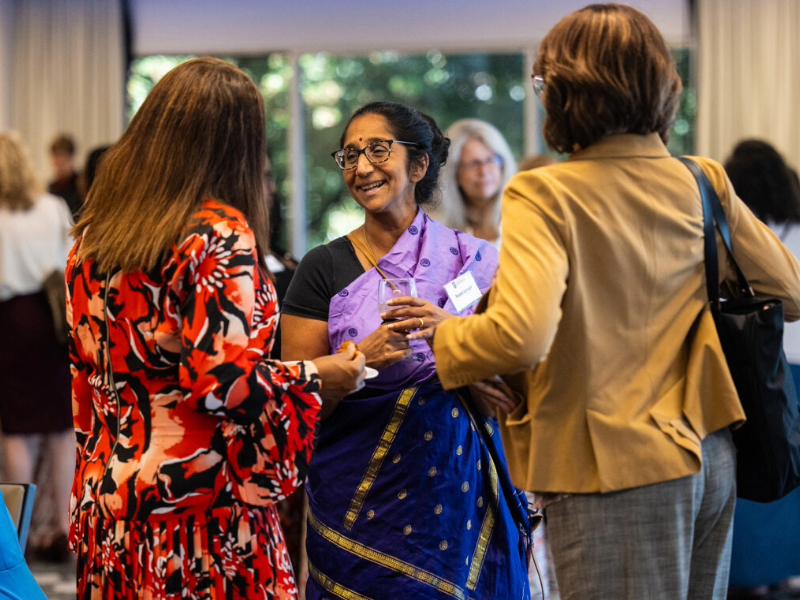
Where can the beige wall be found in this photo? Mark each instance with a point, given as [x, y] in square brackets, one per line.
[250, 26]
[6, 46]
[243, 26]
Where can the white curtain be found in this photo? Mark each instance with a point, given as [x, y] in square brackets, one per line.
[749, 75]
[68, 74]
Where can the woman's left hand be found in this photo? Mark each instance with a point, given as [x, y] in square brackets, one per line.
[414, 315]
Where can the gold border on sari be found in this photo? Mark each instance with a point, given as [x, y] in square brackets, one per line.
[384, 560]
[381, 450]
[490, 518]
[334, 588]
[487, 528]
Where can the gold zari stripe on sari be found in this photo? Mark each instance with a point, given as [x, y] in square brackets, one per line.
[381, 450]
[333, 587]
[384, 560]
[490, 518]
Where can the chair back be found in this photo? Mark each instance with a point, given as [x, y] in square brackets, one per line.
[18, 498]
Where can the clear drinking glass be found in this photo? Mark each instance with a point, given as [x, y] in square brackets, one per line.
[394, 288]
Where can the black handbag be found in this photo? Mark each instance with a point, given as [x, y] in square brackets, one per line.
[750, 330]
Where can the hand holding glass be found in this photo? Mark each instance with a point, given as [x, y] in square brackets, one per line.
[394, 288]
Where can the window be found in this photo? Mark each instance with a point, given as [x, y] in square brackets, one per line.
[272, 73]
[448, 87]
[681, 140]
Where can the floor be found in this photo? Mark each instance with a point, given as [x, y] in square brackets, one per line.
[786, 595]
[56, 580]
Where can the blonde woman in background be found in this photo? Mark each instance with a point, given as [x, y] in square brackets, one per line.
[35, 405]
[480, 165]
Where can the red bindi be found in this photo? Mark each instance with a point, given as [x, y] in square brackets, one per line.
[360, 139]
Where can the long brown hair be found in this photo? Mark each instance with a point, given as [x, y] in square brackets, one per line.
[18, 184]
[606, 70]
[199, 134]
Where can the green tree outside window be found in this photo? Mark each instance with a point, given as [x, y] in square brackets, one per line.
[492, 87]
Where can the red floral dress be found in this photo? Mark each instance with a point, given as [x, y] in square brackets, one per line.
[187, 434]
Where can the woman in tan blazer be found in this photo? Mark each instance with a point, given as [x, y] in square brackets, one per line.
[599, 323]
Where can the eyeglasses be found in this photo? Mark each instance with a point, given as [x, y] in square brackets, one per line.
[538, 84]
[474, 165]
[376, 152]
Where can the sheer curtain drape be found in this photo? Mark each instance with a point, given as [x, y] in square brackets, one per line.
[68, 74]
[749, 75]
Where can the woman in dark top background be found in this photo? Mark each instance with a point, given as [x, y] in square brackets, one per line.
[765, 551]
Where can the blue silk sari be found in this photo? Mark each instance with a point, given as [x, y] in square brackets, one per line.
[408, 487]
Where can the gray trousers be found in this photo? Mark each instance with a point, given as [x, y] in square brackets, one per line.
[666, 541]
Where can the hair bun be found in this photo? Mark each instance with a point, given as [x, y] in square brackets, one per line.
[410, 125]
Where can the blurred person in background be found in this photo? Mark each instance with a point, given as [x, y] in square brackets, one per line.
[766, 553]
[89, 173]
[66, 181]
[282, 266]
[281, 263]
[46, 507]
[479, 167]
[35, 405]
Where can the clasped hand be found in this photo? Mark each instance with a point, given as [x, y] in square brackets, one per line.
[384, 347]
[414, 315]
[494, 394]
[389, 343]
[418, 319]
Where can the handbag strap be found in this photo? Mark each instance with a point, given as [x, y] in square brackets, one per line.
[713, 213]
[523, 516]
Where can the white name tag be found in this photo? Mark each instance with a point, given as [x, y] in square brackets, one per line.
[463, 291]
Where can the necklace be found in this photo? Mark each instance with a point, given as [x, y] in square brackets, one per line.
[374, 261]
[369, 247]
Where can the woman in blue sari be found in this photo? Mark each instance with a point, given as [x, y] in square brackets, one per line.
[408, 488]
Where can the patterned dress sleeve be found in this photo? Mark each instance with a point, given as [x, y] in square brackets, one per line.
[270, 409]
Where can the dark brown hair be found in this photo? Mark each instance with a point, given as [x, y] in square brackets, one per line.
[92, 162]
[764, 181]
[607, 70]
[199, 134]
[410, 125]
[63, 144]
